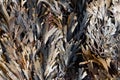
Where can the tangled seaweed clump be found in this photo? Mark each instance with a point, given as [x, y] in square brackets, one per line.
[59, 40]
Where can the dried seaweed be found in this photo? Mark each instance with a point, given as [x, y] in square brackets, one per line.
[59, 40]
